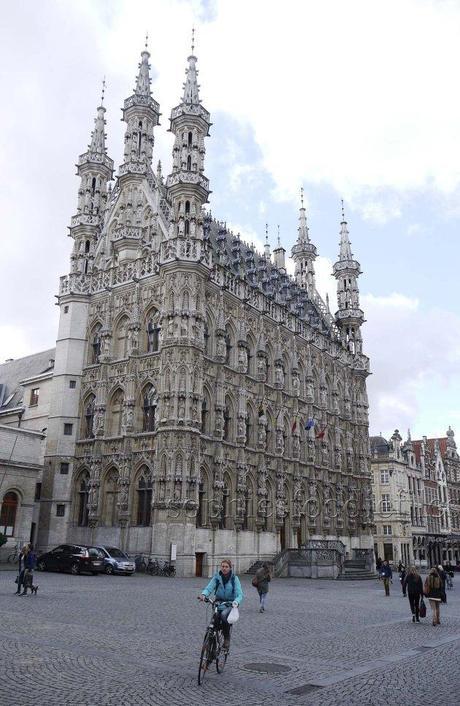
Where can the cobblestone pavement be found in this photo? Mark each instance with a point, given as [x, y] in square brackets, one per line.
[129, 641]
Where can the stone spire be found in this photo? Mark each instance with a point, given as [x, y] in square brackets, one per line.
[95, 169]
[304, 253]
[141, 114]
[191, 87]
[188, 188]
[267, 244]
[346, 270]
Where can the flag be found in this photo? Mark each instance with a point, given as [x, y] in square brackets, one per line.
[320, 434]
[294, 425]
[310, 423]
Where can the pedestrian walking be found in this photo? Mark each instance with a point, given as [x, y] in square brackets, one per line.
[433, 591]
[30, 564]
[412, 583]
[402, 576]
[386, 575]
[21, 567]
[260, 582]
[443, 577]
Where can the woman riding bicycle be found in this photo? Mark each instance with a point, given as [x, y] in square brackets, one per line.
[227, 588]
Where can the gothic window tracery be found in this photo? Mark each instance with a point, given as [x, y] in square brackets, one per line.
[144, 497]
[121, 339]
[88, 422]
[153, 332]
[110, 499]
[82, 499]
[115, 413]
[95, 344]
[149, 407]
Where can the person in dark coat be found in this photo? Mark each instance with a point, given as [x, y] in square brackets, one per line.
[386, 575]
[402, 576]
[443, 577]
[30, 564]
[433, 591]
[22, 567]
[413, 585]
[263, 578]
[378, 564]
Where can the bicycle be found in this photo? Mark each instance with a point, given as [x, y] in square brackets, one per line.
[141, 564]
[13, 558]
[213, 643]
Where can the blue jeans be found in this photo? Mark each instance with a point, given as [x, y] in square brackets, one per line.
[263, 598]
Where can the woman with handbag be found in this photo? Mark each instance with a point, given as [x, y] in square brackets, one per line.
[260, 582]
[412, 583]
[433, 591]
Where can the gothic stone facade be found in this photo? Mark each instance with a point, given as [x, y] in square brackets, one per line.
[187, 366]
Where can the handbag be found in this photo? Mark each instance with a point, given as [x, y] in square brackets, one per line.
[255, 581]
[234, 615]
[422, 608]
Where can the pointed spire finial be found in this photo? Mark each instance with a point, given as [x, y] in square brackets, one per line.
[193, 40]
[146, 40]
[103, 91]
[343, 212]
[301, 196]
[279, 241]
[266, 232]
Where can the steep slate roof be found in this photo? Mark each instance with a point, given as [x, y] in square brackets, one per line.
[12, 372]
[379, 445]
[242, 260]
[430, 444]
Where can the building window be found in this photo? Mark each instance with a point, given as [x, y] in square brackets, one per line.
[149, 409]
[387, 530]
[83, 495]
[72, 384]
[144, 500]
[384, 475]
[66, 309]
[60, 510]
[38, 491]
[8, 514]
[386, 503]
[68, 428]
[64, 468]
[34, 395]
[88, 431]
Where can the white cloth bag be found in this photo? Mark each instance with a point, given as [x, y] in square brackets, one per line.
[234, 615]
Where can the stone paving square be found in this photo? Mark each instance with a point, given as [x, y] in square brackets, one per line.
[115, 640]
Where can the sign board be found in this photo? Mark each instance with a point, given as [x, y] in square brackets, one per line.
[173, 552]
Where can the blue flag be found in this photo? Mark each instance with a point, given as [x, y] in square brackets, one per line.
[310, 424]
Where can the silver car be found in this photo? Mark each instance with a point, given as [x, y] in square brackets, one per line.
[117, 562]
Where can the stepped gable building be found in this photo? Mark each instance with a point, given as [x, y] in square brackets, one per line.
[197, 364]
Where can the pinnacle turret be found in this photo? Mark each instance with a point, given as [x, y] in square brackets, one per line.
[346, 270]
[141, 114]
[304, 253]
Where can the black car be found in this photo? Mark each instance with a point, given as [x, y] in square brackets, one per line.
[75, 558]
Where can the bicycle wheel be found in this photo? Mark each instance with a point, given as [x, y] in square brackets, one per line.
[206, 656]
[13, 558]
[221, 656]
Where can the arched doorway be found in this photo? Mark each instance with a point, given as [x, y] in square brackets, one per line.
[8, 514]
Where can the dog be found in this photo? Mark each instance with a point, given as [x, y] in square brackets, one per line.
[28, 583]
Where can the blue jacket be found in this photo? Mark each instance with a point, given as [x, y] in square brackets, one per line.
[230, 592]
[386, 572]
[30, 561]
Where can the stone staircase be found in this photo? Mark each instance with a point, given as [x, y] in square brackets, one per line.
[355, 570]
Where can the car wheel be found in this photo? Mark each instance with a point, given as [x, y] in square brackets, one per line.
[41, 566]
[75, 569]
[109, 569]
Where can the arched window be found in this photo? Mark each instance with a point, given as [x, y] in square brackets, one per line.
[248, 515]
[227, 421]
[204, 417]
[139, 138]
[144, 498]
[93, 187]
[121, 339]
[248, 426]
[87, 246]
[207, 339]
[150, 402]
[201, 509]
[95, 345]
[228, 347]
[189, 163]
[187, 207]
[115, 414]
[190, 137]
[8, 514]
[110, 508]
[224, 518]
[88, 431]
[153, 332]
[82, 500]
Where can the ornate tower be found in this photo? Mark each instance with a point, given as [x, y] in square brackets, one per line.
[184, 270]
[304, 253]
[349, 316]
[95, 169]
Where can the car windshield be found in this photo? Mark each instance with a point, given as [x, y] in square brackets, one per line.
[116, 553]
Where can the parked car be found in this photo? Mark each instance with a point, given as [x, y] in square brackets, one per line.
[117, 562]
[75, 558]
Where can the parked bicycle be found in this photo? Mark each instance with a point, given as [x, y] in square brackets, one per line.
[13, 558]
[155, 568]
[141, 563]
[213, 643]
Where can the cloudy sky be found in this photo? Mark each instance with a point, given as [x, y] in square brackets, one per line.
[356, 100]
